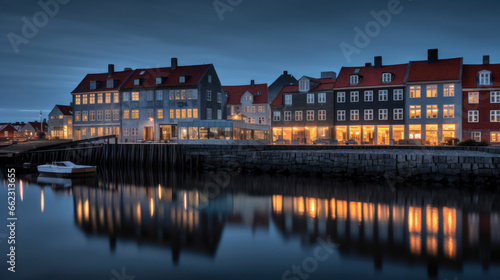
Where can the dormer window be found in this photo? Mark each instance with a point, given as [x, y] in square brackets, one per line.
[93, 84]
[137, 82]
[182, 79]
[386, 77]
[484, 78]
[110, 83]
[354, 79]
[159, 80]
[259, 93]
[304, 85]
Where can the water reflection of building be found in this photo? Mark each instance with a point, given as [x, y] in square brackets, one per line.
[397, 230]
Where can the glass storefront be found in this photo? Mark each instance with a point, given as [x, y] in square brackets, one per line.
[324, 133]
[383, 137]
[287, 134]
[355, 134]
[341, 134]
[431, 134]
[299, 135]
[368, 134]
[398, 133]
[277, 133]
[311, 134]
[448, 132]
[415, 131]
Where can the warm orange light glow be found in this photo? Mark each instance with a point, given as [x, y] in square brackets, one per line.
[415, 244]
[432, 219]
[450, 247]
[383, 213]
[79, 212]
[151, 207]
[414, 219]
[299, 201]
[368, 212]
[277, 204]
[332, 208]
[342, 209]
[432, 245]
[159, 191]
[21, 189]
[449, 221]
[137, 214]
[398, 215]
[311, 207]
[86, 210]
[355, 211]
[42, 201]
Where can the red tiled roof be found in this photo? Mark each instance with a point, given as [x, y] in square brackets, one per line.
[471, 72]
[278, 101]
[193, 74]
[443, 70]
[324, 85]
[371, 76]
[236, 92]
[65, 110]
[101, 80]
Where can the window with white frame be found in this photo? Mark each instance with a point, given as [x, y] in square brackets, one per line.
[354, 96]
[107, 115]
[473, 116]
[341, 115]
[209, 113]
[276, 116]
[159, 95]
[415, 111]
[368, 96]
[322, 115]
[398, 94]
[126, 96]
[432, 91]
[288, 100]
[92, 115]
[287, 116]
[476, 136]
[262, 120]
[310, 98]
[495, 97]
[398, 114]
[85, 116]
[495, 136]
[354, 115]
[383, 95]
[415, 92]
[432, 111]
[209, 95]
[368, 115]
[135, 96]
[449, 90]
[99, 115]
[150, 113]
[126, 132]
[340, 97]
[304, 85]
[135, 132]
[182, 79]
[298, 115]
[219, 114]
[149, 95]
[386, 77]
[473, 97]
[310, 115]
[354, 79]
[495, 116]
[219, 97]
[484, 78]
[321, 97]
[448, 111]
[383, 114]
[116, 115]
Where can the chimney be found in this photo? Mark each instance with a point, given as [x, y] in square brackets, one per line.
[486, 59]
[174, 63]
[285, 73]
[127, 69]
[378, 62]
[252, 82]
[328, 75]
[111, 69]
[368, 64]
[433, 56]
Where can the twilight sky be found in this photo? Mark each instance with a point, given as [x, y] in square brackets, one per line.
[257, 39]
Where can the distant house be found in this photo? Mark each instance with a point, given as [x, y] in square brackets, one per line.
[248, 103]
[284, 80]
[61, 122]
[31, 129]
[7, 130]
[481, 102]
[303, 114]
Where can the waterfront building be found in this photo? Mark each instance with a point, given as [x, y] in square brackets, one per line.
[97, 104]
[433, 99]
[248, 103]
[31, 129]
[303, 113]
[155, 100]
[481, 102]
[369, 104]
[61, 122]
[7, 130]
[284, 79]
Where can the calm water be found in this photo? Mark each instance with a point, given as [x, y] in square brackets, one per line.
[154, 225]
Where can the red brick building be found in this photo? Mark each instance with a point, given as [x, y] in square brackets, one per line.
[481, 102]
[7, 130]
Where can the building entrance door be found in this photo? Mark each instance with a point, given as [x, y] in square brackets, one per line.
[148, 133]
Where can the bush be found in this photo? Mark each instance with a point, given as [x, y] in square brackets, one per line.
[453, 141]
[472, 143]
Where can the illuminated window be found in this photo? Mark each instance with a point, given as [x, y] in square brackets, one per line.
[92, 131]
[368, 115]
[476, 136]
[340, 97]
[100, 131]
[398, 114]
[92, 99]
[298, 115]
[160, 114]
[495, 97]
[172, 116]
[135, 114]
[116, 97]
[77, 99]
[189, 113]
[473, 97]
[432, 111]
[415, 131]
[473, 116]
[252, 109]
[383, 114]
[108, 97]
[415, 111]
[178, 113]
[368, 96]
[415, 92]
[99, 98]
[195, 113]
[383, 95]
[84, 99]
[432, 91]
[85, 116]
[398, 95]
[135, 96]
[495, 137]
[449, 111]
[126, 114]
[354, 115]
[341, 115]
[84, 131]
[262, 109]
[354, 96]
[183, 113]
[495, 115]
[449, 90]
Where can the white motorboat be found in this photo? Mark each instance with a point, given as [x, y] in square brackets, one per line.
[65, 168]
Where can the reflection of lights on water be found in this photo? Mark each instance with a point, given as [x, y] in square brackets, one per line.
[185, 201]
[79, 211]
[86, 210]
[159, 191]
[21, 189]
[151, 207]
[312, 207]
[42, 201]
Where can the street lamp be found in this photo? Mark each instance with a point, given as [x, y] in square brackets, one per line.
[153, 120]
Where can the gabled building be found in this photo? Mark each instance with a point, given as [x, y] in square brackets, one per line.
[32, 129]
[303, 113]
[248, 103]
[369, 104]
[284, 79]
[97, 104]
[433, 99]
[155, 100]
[481, 102]
[7, 130]
[61, 122]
